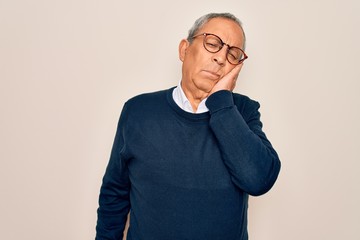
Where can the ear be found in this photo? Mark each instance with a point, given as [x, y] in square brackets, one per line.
[184, 44]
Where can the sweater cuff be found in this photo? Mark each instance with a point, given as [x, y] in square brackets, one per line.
[219, 100]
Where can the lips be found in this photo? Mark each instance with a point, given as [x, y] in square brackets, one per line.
[211, 75]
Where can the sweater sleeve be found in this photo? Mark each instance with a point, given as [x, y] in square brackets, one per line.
[114, 204]
[249, 156]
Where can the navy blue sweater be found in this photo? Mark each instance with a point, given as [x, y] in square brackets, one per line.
[185, 176]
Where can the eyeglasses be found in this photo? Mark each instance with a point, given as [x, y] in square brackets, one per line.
[214, 44]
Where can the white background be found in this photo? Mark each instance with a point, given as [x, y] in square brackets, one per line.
[67, 67]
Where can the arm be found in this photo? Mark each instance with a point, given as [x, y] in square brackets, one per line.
[114, 201]
[251, 160]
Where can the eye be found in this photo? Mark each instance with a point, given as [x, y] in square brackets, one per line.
[232, 57]
[213, 45]
[235, 54]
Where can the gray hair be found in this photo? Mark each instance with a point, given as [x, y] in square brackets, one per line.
[199, 23]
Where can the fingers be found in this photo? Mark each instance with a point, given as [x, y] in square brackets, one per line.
[235, 71]
[230, 78]
[228, 82]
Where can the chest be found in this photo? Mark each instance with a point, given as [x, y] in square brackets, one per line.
[169, 151]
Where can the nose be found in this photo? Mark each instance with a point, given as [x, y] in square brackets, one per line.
[220, 56]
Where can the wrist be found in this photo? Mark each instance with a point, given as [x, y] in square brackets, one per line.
[219, 100]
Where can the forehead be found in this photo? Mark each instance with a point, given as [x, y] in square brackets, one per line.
[229, 31]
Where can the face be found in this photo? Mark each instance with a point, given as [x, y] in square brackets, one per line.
[201, 69]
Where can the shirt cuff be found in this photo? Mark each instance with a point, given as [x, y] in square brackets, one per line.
[219, 100]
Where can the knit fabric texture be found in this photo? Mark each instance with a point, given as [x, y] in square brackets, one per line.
[185, 176]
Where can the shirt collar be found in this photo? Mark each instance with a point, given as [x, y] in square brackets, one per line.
[183, 102]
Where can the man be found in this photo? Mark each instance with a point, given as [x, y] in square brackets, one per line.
[184, 160]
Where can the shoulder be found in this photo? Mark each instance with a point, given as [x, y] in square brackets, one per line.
[147, 99]
[146, 103]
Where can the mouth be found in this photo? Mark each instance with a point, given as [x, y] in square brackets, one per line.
[211, 75]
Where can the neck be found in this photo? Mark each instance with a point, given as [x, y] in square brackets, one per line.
[194, 95]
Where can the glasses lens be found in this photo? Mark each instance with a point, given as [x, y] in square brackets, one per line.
[212, 43]
[235, 55]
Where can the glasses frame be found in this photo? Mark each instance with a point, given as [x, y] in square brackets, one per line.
[222, 45]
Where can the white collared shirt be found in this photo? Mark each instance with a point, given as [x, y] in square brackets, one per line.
[183, 102]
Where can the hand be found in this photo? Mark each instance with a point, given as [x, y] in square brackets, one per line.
[228, 82]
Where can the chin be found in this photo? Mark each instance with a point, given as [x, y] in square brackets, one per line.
[205, 86]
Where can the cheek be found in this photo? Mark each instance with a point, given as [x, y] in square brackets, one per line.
[197, 60]
[192, 65]
[198, 56]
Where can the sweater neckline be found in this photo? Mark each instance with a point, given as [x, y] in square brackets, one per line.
[190, 116]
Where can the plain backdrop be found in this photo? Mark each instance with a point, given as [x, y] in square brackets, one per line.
[68, 66]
